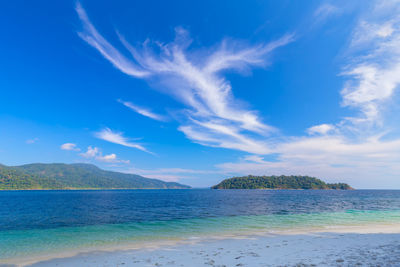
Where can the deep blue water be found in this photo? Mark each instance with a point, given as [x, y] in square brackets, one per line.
[43, 222]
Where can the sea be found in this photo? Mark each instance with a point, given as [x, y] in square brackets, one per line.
[48, 222]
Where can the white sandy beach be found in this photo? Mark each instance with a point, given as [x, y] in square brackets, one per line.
[377, 245]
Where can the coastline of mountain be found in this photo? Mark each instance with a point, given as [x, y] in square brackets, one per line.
[55, 176]
[278, 182]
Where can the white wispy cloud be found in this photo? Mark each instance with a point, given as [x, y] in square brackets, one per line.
[111, 158]
[375, 74]
[355, 147]
[142, 111]
[118, 138]
[196, 79]
[330, 157]
[70, 146]
[90, 35]
[91, 152]
[254, 158]
[321, 129]
[324, 11]
[32, 141]
[95, 153]
[220, 135]
[168, 174]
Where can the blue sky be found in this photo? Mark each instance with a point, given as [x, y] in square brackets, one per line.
[196, 92]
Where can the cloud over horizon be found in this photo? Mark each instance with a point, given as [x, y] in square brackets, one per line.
[107, 134]
[95, 153]
[355, 146]
[213, 117]
[70, 146]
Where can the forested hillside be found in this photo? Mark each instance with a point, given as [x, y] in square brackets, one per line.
[74, 176]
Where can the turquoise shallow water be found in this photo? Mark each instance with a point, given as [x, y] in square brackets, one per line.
[21, 243]
[45, 222]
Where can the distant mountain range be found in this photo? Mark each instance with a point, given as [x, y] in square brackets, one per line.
[75, 176]
[278, 182]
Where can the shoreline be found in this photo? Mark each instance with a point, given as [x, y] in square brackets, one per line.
[117, 253]
[200, 188]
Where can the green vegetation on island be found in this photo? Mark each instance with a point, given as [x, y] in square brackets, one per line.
[278, 182]
[74, 176]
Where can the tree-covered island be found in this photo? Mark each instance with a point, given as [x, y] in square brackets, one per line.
[278, 182]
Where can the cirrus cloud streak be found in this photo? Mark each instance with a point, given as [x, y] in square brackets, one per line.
[196, 80]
